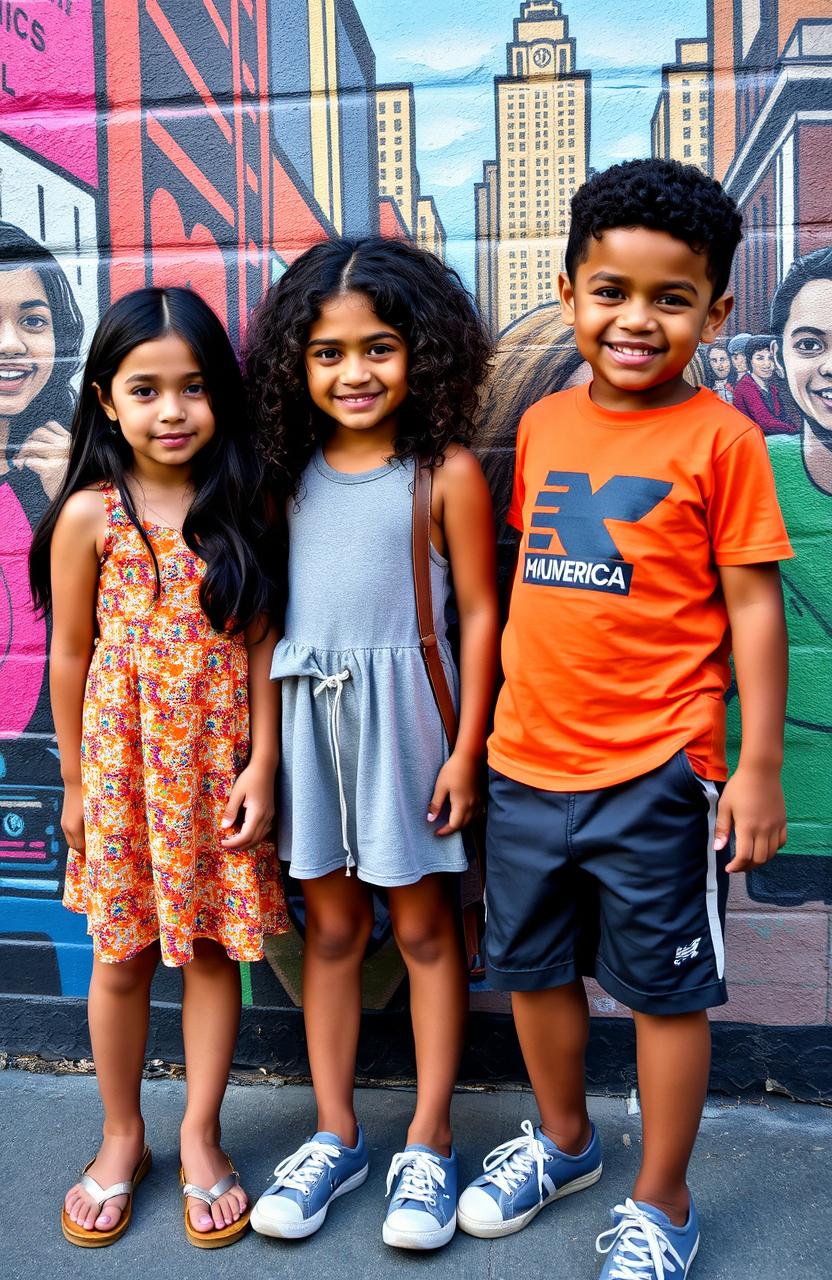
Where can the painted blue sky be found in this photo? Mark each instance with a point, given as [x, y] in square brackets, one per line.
[452, 49]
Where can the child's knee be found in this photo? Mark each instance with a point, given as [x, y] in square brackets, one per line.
[424, 941]
[124, 977]
[334, 937]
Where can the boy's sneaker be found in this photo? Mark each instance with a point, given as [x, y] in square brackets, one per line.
[643, 1244]
[306, 1183]
[521, 1176]
[423, 1189]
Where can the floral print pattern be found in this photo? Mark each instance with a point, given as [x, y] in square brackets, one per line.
[165, 733]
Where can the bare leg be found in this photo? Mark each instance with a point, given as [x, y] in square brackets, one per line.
[339, 921]
[118, 1009]
[674, 1058]
[426, 929]
[210, 1022]
[553, 1028]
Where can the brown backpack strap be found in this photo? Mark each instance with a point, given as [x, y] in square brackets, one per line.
[473, 914]
[422, 483]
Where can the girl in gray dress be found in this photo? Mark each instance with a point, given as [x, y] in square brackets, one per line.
[363, 364]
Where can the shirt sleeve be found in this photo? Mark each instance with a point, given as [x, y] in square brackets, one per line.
[744, 517]
[518, 492]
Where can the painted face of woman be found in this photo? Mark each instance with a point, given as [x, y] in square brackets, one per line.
[807, 351]
[27, 340]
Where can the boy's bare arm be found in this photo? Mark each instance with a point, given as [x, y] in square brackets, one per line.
[752, 802]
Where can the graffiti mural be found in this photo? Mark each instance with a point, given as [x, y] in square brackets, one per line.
[209, 142]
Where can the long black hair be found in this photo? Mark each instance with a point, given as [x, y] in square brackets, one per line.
[19, 252]
[408, 288]
[225, 524]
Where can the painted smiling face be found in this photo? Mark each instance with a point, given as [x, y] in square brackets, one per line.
[27, 340]
[720, 362]
[762, 364]
[807, 351]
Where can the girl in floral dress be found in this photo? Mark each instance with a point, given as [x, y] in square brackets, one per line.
[149, 559]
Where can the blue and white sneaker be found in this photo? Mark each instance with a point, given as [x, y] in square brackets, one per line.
[521, 1176]
[423, 1189]
[306, 1183]
[643, 1244]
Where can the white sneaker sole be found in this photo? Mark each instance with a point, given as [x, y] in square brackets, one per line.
[308, 1226]
[419, 1239]
[490, 1230]
[693, 1254]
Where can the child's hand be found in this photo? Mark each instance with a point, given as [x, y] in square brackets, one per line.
[752, 803]
[456, 782]
[72, 817]
[253, 792]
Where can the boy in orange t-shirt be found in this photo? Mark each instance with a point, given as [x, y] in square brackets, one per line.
[650, 535]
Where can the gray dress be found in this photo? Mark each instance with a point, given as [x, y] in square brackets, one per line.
[362, 741]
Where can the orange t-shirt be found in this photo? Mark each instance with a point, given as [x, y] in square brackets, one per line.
[616, 649]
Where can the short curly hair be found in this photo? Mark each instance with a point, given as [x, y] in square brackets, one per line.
[409, 289]
[662, 195]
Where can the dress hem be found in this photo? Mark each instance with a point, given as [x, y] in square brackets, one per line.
[386, 882]
[233, 954]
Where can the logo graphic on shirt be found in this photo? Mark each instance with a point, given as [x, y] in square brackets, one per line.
[590, 558]
[688, 952]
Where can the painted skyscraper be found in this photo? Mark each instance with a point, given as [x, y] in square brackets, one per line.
[322, 87]
[771, 137]
[522, 204]
[398, 177]
[681, 124]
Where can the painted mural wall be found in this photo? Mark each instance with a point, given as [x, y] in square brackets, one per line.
[209, 142]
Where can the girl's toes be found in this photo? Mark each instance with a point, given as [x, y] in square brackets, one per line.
[88, 1217]
[201, 1219]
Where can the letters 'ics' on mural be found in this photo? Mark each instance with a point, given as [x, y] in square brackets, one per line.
[209, 142]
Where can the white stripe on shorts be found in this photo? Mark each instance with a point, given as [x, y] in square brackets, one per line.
[711, 892]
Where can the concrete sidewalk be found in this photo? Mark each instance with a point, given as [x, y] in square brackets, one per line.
[762, 1174]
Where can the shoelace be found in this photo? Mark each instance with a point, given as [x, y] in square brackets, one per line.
[422, 1175]
[642, 1250]
[336, 683]
[301, 1170]
[511, 1163]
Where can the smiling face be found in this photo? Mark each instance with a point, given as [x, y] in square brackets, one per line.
[739, 362]
[356, 366]
[762, 364]
[807, 351]
[159, 399]
[640, 304]
[27, 340]
[720, 363]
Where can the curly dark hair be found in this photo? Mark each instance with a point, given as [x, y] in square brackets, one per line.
[409, 289]
[662, 195]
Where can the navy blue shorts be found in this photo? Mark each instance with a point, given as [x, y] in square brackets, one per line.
[622, 884]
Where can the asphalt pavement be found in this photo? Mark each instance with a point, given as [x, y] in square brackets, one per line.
[761, 1173]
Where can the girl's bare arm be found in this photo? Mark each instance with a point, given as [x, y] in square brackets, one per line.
[77, 544]
[462, 507]
[253, 791]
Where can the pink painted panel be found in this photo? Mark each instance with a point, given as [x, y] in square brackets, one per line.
[47, 83]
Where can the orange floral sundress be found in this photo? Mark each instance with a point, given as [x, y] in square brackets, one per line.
[165, 733]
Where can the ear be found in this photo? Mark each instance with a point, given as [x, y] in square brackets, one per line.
[718, 313]
[567, 299]
[106, 403]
